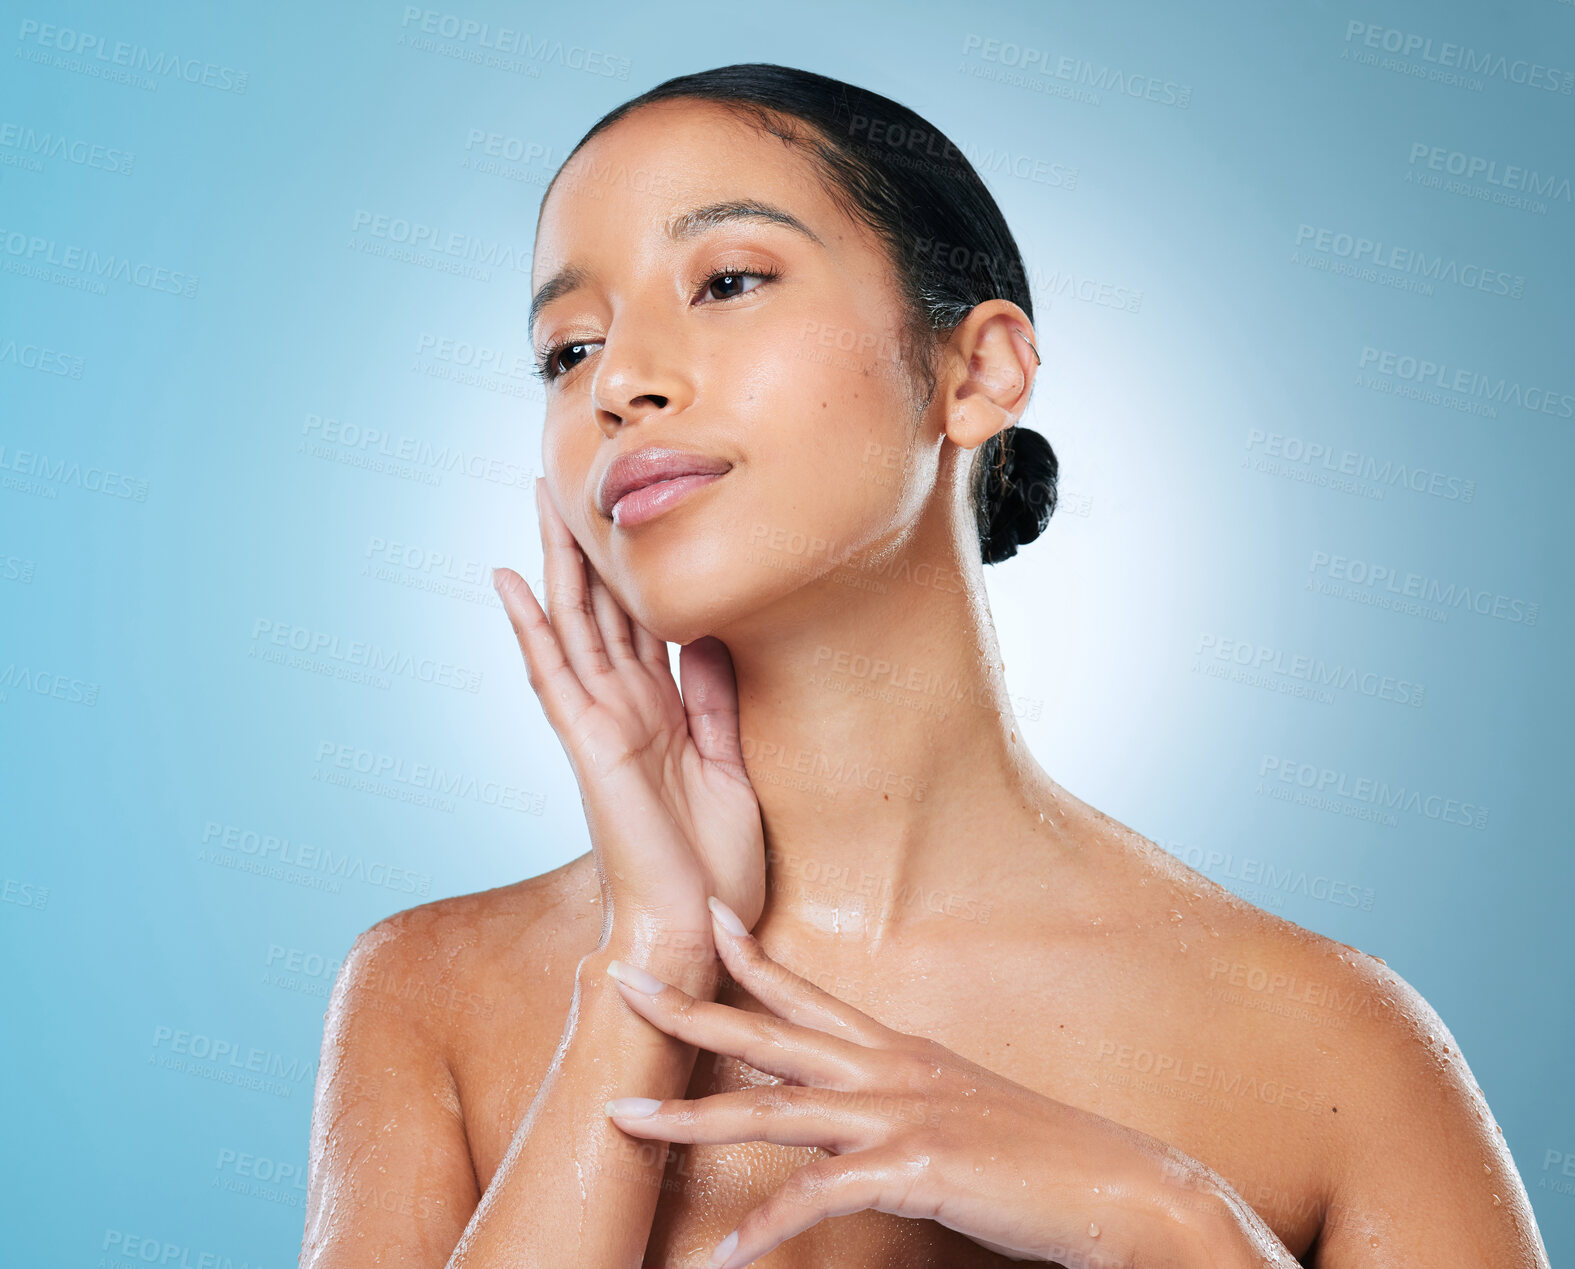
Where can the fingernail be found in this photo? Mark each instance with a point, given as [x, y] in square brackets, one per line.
[633, 1107]
[723, 1250]
[495, 579]
[725, 916]
[633, 976]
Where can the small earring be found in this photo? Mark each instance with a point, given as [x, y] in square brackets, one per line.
[1038, 361]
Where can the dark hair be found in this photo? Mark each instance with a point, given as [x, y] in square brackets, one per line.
[951, 248]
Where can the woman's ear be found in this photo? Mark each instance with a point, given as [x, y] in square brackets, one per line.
[988, 367]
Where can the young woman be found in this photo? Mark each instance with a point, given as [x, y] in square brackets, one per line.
[846, 979]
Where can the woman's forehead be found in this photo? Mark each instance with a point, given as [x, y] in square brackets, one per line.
[667, 163]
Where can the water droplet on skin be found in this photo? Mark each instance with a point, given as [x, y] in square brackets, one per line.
[1093, 1230]
[1374, 1242]
[1496, 1201]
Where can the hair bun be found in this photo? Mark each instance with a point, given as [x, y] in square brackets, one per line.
[1019, 492]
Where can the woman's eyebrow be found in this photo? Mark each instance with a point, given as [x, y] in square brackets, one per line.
[684, 226]
[558, 285]
[702, 219]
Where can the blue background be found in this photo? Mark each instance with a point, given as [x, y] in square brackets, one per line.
[1184, 252]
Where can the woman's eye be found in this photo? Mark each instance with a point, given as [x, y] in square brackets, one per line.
[556, 365]
[732, 283]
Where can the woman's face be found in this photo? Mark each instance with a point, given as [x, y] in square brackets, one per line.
[676, 337]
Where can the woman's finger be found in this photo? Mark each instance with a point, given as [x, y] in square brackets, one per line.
[568, 595]
[650, 649]
[710, 692]
[827, 1187]
[563, 697]
[611, 619]
[762, 1040]
[784, 1114]
[782, 991]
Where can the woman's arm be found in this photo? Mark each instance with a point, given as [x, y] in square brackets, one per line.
[392, 1180]
[390, 1177]
[1425, 1176]
[572, 1188]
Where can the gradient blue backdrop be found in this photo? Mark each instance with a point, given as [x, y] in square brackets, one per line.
[236, 409]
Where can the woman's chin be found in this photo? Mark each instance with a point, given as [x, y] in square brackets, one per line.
[680, 606]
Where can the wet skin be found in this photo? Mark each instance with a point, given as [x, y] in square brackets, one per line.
[1182, 1077]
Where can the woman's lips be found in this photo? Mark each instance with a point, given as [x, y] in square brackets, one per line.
[649, 501]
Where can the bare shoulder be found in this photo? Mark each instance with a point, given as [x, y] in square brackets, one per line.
[422, 996]
[440, 965]
[1409, 1153]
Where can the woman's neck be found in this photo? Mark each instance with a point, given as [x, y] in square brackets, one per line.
[881, 741]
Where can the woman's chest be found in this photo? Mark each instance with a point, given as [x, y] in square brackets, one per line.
[1214, 1092]
[707, 1190]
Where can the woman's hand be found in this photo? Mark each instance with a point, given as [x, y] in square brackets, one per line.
[672, 814]
[918, 1131]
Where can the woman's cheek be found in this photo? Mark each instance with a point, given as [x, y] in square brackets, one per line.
[829, 490]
